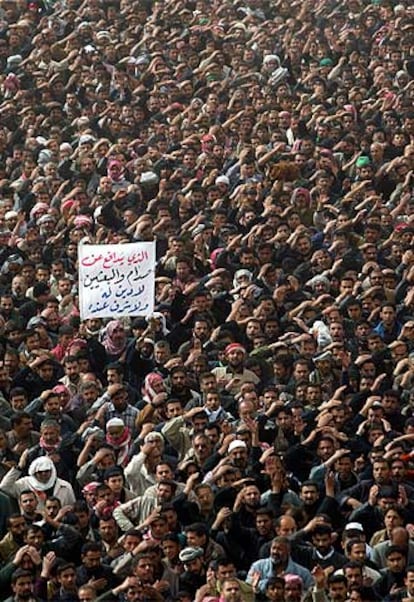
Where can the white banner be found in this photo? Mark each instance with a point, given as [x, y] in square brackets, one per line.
[116, 280]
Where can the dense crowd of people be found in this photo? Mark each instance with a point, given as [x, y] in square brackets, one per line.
[252, 439]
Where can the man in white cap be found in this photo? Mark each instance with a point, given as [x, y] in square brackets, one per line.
[194, 575]
[238, 454]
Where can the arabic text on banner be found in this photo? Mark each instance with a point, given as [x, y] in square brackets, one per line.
[116, 280]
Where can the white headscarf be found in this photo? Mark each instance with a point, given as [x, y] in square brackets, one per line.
[242, 273]
[160, 316]
[41, 464]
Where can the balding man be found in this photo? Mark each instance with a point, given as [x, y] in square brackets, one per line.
[399, 537]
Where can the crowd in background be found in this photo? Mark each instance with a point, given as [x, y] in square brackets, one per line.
[252, 439]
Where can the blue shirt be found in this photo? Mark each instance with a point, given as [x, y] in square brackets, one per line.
[266, 569]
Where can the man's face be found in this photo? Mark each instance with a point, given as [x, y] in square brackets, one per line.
[293, 592]
[336, 331]
[45, 372]
[303, 246]
[35, 538]
[398, 470]
[231, 592]
[354, 313]
[387, 315]
[28, 503]
[42, 275]
[194, 540]
[43, 476]
[264, 524]
[67, 580]
[239, 457]
[208, 383]
[284, 420]
[325, 449]
[343, 467]
[91, 560]
[275, 592]
[50, 434]
[164, 493]
[159, 528]
[409, 583]
[396, 562]
[381, 472]
[119, 400]
[271, 327]
[368, 370]
[72, 371]
[161, 355]
[6, 305]
[52, 508]
[202, 446]
[52, 405]
[183, 270]
[58, 271]
[53, 321]
[235, 358]
[212, 401]
[246, 410]
[163, 471]
[358, 552]
[201, 330]
[353, 577]
[205, 497]
[252, 496]
[108, 530]
[212, 434]
[23, 588]
[113, 377]
[194, 566]
[392, 519]
[18, 529]
[390, 404]
[90, 395]
[346, 286]
[86, 595]
[130, 542]
[154, 458]
[252, 329]
[362, 330]
[174, 409]
[11, 361]
[145, 570]
[24, 428]
[19, 286]
[83, 517]
[33, 342]
[322, 542]
[309, 495]
[286, 527]
[301, 371]
[226, 571]
[338, 592]
[171, 519]
[115, 483]
[178, 381]
[247, 260]
[279, 553]
[313, 395]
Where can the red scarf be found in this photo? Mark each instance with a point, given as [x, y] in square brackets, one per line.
[50, 449]
[121, 446]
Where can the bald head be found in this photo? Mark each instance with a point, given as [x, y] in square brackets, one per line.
[399, 537]
[285, 525]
